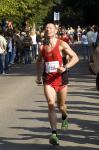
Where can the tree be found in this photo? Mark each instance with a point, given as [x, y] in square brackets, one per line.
[80, 12]
[39, 11]
[30, 10]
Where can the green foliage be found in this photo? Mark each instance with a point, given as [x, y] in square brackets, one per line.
[72, 11]
[79, 11]
[20, 10]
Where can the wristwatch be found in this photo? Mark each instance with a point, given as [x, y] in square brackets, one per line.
[66, 69]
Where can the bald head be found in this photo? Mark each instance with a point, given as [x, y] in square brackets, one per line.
[51, 29]
[51, 24]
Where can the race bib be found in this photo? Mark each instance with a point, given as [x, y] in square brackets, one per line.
[51, 66]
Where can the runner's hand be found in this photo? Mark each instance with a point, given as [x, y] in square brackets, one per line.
[61, 69]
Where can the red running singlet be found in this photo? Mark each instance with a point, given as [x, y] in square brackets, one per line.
[54, 78]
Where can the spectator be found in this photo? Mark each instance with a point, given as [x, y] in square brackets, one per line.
[27, 44]
[3, 55]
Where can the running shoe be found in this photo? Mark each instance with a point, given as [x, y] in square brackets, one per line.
[54, 139]
[64, 125]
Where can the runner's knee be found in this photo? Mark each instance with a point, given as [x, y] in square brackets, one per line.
[62, 108]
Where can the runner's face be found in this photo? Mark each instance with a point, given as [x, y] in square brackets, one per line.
[50, 30]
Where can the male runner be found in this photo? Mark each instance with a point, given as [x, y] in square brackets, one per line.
[55, 76]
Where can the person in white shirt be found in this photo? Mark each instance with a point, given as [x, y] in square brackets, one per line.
[90, 36]
[85, 47]
[34, 44]
[3, 45]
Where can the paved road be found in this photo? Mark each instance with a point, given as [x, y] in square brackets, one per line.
[23, 111]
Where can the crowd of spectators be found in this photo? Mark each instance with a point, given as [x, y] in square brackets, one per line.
[22, 45]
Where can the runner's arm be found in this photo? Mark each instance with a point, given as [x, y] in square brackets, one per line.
[72, 55]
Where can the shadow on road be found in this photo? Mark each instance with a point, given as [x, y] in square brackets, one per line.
[86, 134]
[22, 70]
[87, 130]
[5, 145]
[11, 146]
